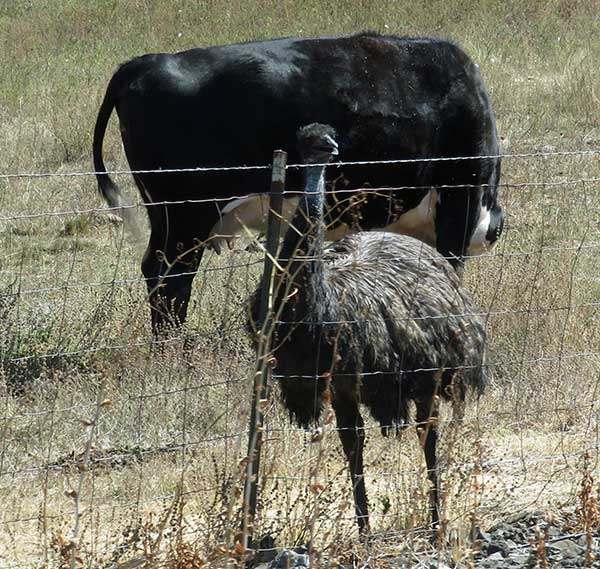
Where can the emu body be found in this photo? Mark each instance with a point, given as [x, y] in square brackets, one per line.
[387, 97]
[377, 319]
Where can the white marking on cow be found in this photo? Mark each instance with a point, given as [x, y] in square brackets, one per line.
[248, 217]
[479, 244]
[237, 202]
[419, 222]
[245, 217]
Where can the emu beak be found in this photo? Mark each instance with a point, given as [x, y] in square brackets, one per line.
[333, 150]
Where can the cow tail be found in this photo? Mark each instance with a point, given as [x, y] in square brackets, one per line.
[108, 189]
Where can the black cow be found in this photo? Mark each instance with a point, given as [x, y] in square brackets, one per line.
[387, 97]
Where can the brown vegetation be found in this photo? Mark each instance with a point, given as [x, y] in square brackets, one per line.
[134, 455]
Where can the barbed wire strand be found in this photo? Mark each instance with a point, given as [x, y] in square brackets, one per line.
[549, 154]
[216, 200]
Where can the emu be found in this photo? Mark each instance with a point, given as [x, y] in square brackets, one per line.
[377, 319]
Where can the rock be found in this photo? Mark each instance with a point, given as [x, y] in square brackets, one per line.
[520, 559]
[288, 559]
[497, 547]
[567, 548]
[553, 531]
[510, 544]
[501, 529]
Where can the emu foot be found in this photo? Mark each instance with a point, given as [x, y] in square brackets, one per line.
[433, 534]
[364, 531]
[266, 551]
[255, 246]
[436, 534]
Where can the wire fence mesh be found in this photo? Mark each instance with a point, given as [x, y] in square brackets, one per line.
[121, 447]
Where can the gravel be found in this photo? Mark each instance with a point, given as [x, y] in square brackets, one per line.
[521, 542]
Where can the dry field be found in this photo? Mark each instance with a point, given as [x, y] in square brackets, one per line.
[135, 455]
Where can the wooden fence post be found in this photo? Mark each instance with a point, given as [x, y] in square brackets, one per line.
[261, 377]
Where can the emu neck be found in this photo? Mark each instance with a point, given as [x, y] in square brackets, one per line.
[305, 237]
[302, 251]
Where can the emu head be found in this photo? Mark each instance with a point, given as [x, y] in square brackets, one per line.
[316, 143]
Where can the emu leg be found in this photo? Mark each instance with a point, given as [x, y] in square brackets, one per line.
[427, 418]
[352, 434]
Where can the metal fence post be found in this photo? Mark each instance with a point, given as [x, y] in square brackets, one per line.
[261, 376]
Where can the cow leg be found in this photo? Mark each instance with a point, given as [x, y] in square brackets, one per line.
[169, 267]
[352, 434]
[169, 288]
[427, 419]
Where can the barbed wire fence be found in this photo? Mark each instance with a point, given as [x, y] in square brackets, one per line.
[116, 446]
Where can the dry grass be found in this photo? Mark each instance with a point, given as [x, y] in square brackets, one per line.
[161, 479]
